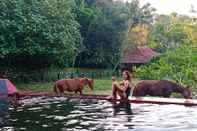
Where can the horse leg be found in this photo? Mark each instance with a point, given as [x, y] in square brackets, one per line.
[56, 89]
[139, 92]
[61, 90]
[80, 92]
[167, 95]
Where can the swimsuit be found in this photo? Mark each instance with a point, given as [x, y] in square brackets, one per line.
[128, 92]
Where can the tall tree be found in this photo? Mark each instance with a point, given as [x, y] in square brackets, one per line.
[104, 32]
[169, 32]
[37, 33]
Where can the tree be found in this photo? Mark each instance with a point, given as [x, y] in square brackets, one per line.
[104, 26]
[37, 33]
[138, 36]
[169, 32]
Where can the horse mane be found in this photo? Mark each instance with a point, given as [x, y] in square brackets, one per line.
[85, 80]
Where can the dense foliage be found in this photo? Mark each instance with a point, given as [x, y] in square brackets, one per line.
[179, 65]
[104, 27]
[173, 36]
[78, 33]
[171, 31]
[37, 33]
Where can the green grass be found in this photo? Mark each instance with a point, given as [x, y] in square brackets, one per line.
[37, 86]
[99, 85]
[102, 84]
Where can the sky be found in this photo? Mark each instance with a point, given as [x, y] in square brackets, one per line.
[168, 6]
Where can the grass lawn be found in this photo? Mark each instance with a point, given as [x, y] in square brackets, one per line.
[37, 86]
[99, 86]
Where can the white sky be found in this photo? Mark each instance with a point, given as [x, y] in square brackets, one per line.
[169, 6]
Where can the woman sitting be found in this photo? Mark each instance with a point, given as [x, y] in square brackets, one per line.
[123, 89]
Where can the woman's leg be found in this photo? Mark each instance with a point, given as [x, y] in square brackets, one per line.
[116, 89]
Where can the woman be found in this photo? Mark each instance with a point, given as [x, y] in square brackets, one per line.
[124, 88]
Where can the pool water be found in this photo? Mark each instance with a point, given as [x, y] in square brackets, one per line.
[62, 114]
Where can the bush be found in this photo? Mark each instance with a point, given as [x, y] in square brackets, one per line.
[179, 65]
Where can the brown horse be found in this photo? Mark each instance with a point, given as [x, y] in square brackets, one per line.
[72, 85]
[162, 88]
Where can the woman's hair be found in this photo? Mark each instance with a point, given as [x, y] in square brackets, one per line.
[128, 75]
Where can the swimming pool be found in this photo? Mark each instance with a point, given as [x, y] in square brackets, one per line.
[62, 114]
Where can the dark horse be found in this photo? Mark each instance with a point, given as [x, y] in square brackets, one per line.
[162, 88]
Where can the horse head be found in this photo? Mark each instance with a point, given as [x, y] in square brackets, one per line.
[89, 82]
[187, 93]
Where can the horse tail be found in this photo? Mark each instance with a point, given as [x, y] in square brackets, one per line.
[55, 88]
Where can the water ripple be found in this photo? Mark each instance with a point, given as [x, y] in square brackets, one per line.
[64, 114]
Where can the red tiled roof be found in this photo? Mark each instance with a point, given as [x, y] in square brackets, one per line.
[138, 55]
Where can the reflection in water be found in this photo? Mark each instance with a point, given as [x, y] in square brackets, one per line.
[126, 106]
[124, 109]
[4, 111]
[61, 114]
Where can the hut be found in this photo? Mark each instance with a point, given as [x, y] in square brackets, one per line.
[136, 57]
